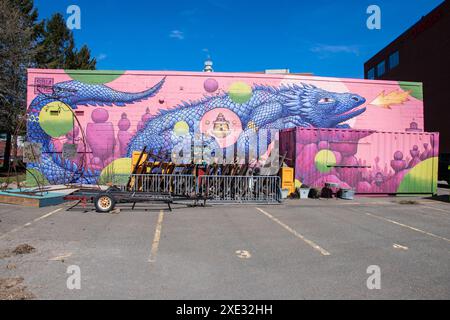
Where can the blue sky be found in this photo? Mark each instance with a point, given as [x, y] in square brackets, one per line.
[327, 38]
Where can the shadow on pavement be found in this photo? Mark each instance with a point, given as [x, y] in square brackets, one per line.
[441, 198]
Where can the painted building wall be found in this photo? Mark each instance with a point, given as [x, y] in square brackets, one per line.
[119, 112]
[367, 161]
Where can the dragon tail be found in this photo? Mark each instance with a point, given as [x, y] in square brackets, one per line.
[124, 98]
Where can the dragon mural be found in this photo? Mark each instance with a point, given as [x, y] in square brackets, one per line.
[268, 107]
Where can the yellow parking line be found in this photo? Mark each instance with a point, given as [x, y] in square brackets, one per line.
[295, 233]
[406, 226]
[30, 223]
[156, 238]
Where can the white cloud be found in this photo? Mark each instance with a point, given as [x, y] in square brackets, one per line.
[219, 4]
[177, 34]
[102, 56]
[206, 50]
[327, 48]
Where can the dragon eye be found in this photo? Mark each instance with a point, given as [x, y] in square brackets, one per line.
[326, 100]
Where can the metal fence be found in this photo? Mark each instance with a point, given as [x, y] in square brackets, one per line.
[240, 188]
[176, 185]
[231, 189]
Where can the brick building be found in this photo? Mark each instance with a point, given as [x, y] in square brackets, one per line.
[422, 54]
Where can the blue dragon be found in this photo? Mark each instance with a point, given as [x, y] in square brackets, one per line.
[287, 106]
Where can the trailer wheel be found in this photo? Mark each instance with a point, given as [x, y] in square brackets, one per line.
[104, 202]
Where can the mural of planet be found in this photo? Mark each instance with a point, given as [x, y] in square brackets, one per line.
[119, 170]
[222, 124]
[56, 119]
[240, 92]
[181, 129]
[418, 178]
[94, 76]
[325, 160]
[211, 85]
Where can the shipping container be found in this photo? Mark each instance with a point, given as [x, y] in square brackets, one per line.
[366, 161]
[89, 123]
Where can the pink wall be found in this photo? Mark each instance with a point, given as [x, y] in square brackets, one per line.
[397, 108]
[367, 161]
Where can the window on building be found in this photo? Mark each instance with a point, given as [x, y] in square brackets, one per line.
[381, 68]
[394, 60]
[371, 74]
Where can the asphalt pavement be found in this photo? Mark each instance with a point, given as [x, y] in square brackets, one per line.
[301, 249]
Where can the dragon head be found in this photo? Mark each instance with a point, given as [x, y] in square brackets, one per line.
[64, 90]
[321, 108]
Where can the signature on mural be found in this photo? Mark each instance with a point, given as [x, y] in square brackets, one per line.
[249, 108]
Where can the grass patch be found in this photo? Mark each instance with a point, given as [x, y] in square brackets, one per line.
[32, 176]
[12, 179]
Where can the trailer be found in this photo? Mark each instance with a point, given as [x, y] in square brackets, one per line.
[106, 201]
[143, 186]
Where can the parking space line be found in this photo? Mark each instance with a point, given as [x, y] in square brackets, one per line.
[30, 223]
[406, 226]
[295, 233]
[62, 257]
[399, 246]
[156, 238]
[438, 209]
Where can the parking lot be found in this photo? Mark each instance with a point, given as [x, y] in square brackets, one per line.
[301, 249]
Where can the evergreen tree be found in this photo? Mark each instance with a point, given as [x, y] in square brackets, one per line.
[56, 43]
[29, 12]
[57, 49]
[83, 60]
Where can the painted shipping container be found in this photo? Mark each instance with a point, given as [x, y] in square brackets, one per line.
[367, 161]
[107, 115]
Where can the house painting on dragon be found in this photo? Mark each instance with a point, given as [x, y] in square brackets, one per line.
[119, 112]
